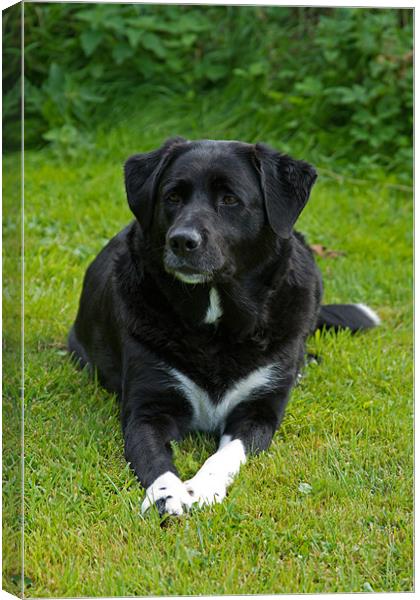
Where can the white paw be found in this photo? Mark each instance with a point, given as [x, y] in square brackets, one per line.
[206, 488]
[169, 494]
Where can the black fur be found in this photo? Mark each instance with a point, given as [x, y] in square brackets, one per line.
[224, 211]
[344, 316]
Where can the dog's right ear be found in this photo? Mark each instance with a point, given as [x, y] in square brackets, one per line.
[141, 173]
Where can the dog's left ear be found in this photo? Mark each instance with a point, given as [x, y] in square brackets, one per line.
[141, 176]
[286, 185]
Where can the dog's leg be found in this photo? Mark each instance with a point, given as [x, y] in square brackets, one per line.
[249, 429]
[147, 448]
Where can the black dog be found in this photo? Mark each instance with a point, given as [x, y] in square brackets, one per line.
[197, 313]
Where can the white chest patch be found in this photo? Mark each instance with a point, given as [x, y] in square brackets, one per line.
[209, 416]
[214, 310]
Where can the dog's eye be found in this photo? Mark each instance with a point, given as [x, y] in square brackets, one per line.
[229, 200]
[174, 198]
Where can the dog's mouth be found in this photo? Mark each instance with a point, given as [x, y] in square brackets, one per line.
[187, 275]
[200, 268]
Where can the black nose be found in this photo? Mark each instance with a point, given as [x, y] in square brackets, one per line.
[184, 241]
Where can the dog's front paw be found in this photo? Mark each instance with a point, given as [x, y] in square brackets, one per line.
[169, 495]
[206, 488]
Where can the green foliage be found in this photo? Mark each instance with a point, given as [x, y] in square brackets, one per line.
[357, 85]
[12, 83]
[343, 85]
[79, 58]
[338, 82]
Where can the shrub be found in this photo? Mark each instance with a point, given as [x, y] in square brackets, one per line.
[338, 82]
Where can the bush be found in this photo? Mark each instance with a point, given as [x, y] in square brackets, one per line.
[337, 82]
[81, 57]
[353, 84]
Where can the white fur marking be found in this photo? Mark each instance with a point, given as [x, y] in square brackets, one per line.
[166, 485]
[214, 310]
[225, 439]
[210, 483]
[198, 398]
[192, 279]
[209, 416]
[369, 313]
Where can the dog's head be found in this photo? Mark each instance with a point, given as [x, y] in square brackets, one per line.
[212, 206]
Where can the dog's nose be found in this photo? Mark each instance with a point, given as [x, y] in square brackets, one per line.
[184, 241]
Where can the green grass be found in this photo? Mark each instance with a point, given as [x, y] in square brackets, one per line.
[347, 432]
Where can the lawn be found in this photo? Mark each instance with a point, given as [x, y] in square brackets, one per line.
[328, 508]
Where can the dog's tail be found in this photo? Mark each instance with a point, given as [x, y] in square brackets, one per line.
[355, 317]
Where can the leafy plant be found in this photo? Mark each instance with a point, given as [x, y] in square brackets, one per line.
[336, 83]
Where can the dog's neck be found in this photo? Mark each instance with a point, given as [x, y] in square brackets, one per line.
[246, 301]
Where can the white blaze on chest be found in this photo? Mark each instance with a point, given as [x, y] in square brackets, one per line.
[209, 416]
[214, 310]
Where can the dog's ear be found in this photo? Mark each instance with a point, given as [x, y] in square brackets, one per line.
[141, 173]
[286, 185]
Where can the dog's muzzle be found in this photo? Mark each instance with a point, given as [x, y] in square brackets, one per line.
[187, 255]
